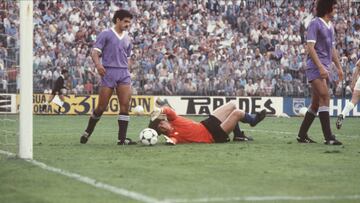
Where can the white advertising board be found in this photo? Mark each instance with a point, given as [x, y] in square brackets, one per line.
[203, 105]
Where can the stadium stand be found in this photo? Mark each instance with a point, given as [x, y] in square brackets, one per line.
[203, 47]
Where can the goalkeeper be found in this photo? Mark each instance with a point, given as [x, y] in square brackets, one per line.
[215, 129]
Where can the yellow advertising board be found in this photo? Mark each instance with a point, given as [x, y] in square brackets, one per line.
[80, 105]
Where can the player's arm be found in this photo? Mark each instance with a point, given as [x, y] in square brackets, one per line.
[97, 51]
[315, 58]
[335, 59]
[170, 114]
[162, 113]
[128, 50]
[95, 55]
[170, 140]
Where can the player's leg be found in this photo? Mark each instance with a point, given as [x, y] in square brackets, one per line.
[54, 92]
[45, 105]
[308, 119]
[250, 119]
[321, 88]
[62, 99]
[239, 135]
[229, 124]
[233, 118]
[104, 97]
[224, 111]
[353, 103]
[348, 107]
[123, 92]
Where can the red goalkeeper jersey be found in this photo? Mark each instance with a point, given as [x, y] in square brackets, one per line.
[186, 130]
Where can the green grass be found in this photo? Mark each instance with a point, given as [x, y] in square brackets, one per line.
[272, 165]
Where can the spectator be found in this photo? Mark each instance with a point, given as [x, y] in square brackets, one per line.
[237, 38]
[89, 88]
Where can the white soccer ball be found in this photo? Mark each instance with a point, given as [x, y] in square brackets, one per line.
[138, 110]
[148, 136]
[303, 111]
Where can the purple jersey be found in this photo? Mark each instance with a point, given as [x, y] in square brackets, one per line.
[322, 34]
[115, 49]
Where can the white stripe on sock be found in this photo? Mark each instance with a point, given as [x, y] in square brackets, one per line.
[323, 109]
[123, 118]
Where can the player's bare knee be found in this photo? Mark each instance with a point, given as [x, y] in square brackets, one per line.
[324, 100]
[124, 109]
[100, 109]
[323, 95]
[239, 114]
[314, 107]
[232, 104]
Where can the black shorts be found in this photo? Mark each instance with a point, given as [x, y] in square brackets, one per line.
[212, 124]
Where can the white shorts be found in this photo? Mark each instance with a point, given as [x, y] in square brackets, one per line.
[357, 85]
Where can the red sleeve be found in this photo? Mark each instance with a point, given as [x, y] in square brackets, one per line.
[170, 114]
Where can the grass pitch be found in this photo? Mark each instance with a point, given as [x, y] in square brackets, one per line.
[272, 166]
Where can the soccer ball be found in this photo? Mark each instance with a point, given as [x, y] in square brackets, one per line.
[148, 136]
[138, 110]
[302, 111]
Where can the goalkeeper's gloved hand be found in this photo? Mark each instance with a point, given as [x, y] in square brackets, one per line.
[161, 103]
[169, 141]
[155, 113]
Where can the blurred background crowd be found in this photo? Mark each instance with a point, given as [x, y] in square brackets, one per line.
[201, 47]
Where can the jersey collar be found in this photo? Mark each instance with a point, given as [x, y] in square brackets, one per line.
[117, 35]
[328, 25]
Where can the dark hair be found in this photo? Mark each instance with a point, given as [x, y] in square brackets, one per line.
[63, 71]
[324, 7]
[121, 14]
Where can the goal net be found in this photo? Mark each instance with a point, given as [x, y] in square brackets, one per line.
[9, 73]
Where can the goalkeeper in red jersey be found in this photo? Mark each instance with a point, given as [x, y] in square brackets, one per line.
[215, 129]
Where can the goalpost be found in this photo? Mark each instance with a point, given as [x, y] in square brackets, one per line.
[26, 80]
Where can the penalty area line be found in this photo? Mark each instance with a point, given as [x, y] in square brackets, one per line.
[110, 188]
[267, 198]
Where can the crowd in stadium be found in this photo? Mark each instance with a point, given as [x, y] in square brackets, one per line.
[203, 47]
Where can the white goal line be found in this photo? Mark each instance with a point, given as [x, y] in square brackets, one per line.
[147, 199]
[117, 190]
